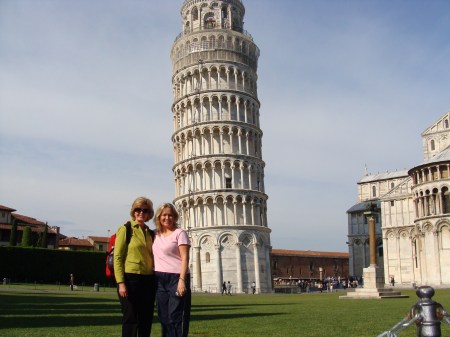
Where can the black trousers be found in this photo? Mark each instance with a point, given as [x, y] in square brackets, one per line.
[138, 307]
[174, 312]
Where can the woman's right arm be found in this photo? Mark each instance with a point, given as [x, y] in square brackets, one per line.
[120, 255]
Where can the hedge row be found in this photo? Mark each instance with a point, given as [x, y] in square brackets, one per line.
[20, 264]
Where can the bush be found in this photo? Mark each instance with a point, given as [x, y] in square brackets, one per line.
[21, 264]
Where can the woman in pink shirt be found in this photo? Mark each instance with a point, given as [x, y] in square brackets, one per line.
[171, 256]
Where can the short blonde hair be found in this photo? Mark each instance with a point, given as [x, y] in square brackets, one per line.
[142, 202]
[160, 210]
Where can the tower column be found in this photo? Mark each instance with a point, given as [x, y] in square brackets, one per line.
[221, 141]
[244, 211]
[238, 268]
[198, 268]
[239, 139]
[219, 279]
[256, 265]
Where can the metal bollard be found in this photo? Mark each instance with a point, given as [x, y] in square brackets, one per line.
[429, 311]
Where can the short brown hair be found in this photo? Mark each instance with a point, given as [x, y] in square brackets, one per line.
[142, 202]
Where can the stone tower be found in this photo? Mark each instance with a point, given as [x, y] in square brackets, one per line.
[219, 171]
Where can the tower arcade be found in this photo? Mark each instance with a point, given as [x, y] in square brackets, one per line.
[217, 142]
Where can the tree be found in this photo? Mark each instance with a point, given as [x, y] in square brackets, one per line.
[26, 237]
[42, 241]
[13, 236]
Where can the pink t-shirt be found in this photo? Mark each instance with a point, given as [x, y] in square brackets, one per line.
[165, 251]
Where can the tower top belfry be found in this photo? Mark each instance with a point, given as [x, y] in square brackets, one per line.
[225, 14]
[210, 24]
[217, 142]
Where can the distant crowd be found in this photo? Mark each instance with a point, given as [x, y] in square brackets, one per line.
[327, 284]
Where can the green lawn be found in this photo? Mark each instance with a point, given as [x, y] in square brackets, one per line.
[37, 311]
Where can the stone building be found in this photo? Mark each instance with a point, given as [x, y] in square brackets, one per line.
[217, 142]
[309, 265]
[414, 210]
[8, 216]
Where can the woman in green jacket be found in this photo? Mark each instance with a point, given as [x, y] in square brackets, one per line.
[133, 269]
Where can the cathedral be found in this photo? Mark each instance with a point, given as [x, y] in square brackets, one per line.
[217, 143]
[413, 217]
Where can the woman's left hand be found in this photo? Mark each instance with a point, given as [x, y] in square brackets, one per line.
[181, 288]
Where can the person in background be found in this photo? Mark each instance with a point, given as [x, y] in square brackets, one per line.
[392, 281]
[224, 288]
[173, 293]
[72, 281]
[134, 271]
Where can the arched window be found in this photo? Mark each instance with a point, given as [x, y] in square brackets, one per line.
[432, 146]
[374, 191]
[210, 21]
[195, 14]
[187, 27]
[392, 185]
[445, 200]
[208, 258]
[380, 248]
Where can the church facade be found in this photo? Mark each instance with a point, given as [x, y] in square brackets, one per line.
[413, 227]
[217, 143]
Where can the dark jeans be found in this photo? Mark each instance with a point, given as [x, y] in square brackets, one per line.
[173, 311]
[137, 308]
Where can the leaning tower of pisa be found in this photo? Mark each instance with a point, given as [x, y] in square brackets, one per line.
[219, 171]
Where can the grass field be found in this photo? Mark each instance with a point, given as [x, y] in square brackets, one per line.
[38, 311]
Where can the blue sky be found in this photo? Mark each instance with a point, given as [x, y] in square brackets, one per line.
[85, 106]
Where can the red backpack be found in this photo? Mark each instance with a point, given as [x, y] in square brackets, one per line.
[110, 251]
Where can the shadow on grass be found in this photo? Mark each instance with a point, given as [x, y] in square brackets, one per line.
[50, 310]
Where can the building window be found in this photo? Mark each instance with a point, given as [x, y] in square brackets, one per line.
[446, 123]
[445, 200]
[374, 191]
[380, 249]
[208, 258]
[210, 22]
[195, 14]
[392, 185]
[432, 146]
[227, 182]
[392, 203]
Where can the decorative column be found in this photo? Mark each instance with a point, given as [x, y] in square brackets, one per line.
[256, 262]
[198, 268]
[238, 267]
[219, 279]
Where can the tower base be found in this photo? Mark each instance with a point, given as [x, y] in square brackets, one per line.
[373, 287]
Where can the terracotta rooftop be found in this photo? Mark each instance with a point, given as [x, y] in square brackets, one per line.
[4, 208]
[309, 253]
[27, 219]
[99, 238]
[75, 242]
[33, 228]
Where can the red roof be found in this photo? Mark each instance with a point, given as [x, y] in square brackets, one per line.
[37, 228]
[4, 208]
[27, 219]
[309, 253]
[99, 239]
[71, 242]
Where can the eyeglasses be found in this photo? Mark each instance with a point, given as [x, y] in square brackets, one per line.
[143, 210]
